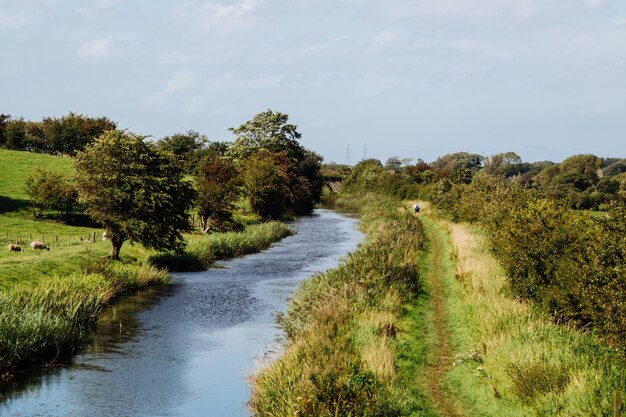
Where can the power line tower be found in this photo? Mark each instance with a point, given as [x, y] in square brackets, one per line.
[348, 154]
[364, 151]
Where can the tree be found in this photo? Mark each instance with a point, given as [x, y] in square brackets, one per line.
[266, 181]
[393, 164]
[51, 190]
[584, 165]
[14, 133]
[267, 130]
[186, 148]
[452, 164]
[135, 190]
[73, 132]
[4, 120]
[217, 185]
[505, 164]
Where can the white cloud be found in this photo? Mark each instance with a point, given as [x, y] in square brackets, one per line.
[476, 47]
[324, 46]
[270, 81]
[16, 20]
[105, 3]
[105, 47]
[172, 57]
[183, 80]
[97, 49]
[594, 3]
[620, 22]
[389, 36]
[222, 18]
[474, 8]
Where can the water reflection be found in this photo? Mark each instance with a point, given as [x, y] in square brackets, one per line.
[187, 350]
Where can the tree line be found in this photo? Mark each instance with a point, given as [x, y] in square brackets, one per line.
[64, 135]
[145, 191]
[570, 263]
[584, 182]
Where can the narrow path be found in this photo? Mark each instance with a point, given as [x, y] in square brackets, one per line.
[438, 266]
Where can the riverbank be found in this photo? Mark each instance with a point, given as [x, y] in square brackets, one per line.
[43, 321]
[199, 337]
[456, 342]
[342, 326]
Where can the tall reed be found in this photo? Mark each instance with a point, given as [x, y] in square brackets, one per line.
[202, 252]
[341, 325]
[50, 321]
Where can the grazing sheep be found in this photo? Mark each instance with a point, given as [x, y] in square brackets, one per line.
[39, 245]
[106, 236]
[14, 248]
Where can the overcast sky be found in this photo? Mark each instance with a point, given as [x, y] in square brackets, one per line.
[407, 78]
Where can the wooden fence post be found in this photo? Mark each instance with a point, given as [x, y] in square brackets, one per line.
[618, 404]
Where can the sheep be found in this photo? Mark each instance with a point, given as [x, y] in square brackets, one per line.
[14, 248]
[106, 236]
[39, 245]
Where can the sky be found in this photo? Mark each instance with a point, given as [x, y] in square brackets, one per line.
[360, 78]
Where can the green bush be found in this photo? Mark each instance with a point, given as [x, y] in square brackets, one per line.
[571, 264]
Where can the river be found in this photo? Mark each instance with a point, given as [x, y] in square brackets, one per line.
[187, 350]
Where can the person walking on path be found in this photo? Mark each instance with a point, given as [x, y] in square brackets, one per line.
[416, 208]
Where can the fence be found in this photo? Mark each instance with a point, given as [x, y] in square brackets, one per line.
[55, 240]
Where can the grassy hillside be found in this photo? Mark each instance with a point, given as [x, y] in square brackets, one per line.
[15, 167]
[67, 252]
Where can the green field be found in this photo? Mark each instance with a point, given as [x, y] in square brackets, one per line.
[15, 167]
[69, 246]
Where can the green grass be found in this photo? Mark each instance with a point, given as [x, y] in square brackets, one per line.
[15, 168]
[511, 360]
[342, 327]
[52, 319]
[202, 251]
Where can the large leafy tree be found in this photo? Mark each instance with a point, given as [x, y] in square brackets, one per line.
[136, 191]
[267, 130]
[217, 184]
[187, 147]
[270, 132]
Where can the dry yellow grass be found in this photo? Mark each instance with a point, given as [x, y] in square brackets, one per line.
[534, 366]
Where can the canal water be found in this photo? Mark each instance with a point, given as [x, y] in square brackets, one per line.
[188, 350]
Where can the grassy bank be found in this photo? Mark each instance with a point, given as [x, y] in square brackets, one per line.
[342, 326]
[509, 359]
[201, 252]
[44, 320]
[50, 320]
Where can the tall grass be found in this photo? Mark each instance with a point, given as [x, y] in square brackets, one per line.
[341, 326]
[202, 252]
[49, 321]
[513, 360]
